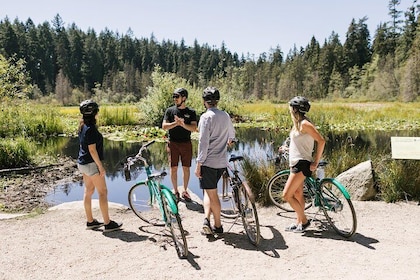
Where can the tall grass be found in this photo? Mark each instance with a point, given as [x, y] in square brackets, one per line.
[118, 115]
[15, 152]
[398, 179]
[29, 120]
[340, 116]
[257, 173]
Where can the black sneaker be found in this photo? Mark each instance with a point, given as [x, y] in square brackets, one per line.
[301, 228]
[206, 227]
[112, 226]
[218, 230]
[94, 224]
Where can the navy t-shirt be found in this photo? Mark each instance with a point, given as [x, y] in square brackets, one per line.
[178, 133]
[89, 135]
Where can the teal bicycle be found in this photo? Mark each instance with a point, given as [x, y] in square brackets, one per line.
[329, 195]
[153, 202]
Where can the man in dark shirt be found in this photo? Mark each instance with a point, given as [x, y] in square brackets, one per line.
[180, 121]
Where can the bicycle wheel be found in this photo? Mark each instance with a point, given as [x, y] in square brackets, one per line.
[173, 221]
[275, 191]
[145, 205]
[249, 214]
[227, 202]
[338, 208]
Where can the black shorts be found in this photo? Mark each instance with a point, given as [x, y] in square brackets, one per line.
[210, 177]
[303, 166]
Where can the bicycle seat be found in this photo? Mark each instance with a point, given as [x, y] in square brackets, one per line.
[235, 158]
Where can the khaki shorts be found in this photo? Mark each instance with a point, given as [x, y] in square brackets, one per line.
[89, 169]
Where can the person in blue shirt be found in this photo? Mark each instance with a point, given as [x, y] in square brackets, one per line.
[216, 132]
[89, 163]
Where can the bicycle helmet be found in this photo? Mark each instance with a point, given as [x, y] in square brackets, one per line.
[89, 108]
[301, 103]
[181, 91]
[211, 95]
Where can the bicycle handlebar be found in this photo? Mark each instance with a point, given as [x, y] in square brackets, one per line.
[132, 159]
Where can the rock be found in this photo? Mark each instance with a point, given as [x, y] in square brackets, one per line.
[359, 181]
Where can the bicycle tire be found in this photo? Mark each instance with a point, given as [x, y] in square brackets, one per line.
[145, 205]
[173, 221]
[249, 214]
[338, 208]
[227, 202]
[275, 191]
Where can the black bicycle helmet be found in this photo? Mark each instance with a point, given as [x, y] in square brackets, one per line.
[301, 103]
[89, 108]
[211, 95]
[181, 91]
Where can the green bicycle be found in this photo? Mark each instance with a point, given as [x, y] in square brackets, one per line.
[155, 203]
[329, 195]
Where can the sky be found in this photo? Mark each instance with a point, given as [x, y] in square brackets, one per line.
[243, 26]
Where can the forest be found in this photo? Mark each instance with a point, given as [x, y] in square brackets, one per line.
[64, 65]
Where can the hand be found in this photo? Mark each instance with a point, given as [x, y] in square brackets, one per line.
[102, 171]
[197, 171]
[313, 166]
[179, 121]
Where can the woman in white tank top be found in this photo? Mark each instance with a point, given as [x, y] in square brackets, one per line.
[302, 159]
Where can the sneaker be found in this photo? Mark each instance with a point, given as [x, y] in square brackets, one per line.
[94, 224]
[112, 226]
[301, 228]
[218, 230]
[186, 196]
[291, 227]
[206, 227]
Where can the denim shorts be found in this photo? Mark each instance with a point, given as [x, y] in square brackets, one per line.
[303, 166]
[89, 169]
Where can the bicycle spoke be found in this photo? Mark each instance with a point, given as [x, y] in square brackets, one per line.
[145, 207]
[249, 216]
[338, 210]
[177, 231]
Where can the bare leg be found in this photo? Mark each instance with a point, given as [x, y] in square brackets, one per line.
[102, 190]
[186, 177]
[293, 194]
[174, 178]
[212, 205]
[87, 197]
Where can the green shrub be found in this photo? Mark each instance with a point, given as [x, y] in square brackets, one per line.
[15, 152]
[398, 179]
[30, 120]
[257, 173]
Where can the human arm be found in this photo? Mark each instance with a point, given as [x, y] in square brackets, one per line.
[191, 127]
[203, 144]
[308, 127]
[94, 154]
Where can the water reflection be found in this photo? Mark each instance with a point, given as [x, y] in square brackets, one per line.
[254, 142]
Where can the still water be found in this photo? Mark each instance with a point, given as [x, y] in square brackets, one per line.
[256, 143]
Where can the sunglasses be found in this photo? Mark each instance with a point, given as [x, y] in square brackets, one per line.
[175, 96]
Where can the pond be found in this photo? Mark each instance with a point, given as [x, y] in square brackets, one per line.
[254, 142]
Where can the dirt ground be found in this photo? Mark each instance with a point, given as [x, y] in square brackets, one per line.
[56, 245]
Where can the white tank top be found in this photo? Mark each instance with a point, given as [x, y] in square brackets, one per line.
[301, 147]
